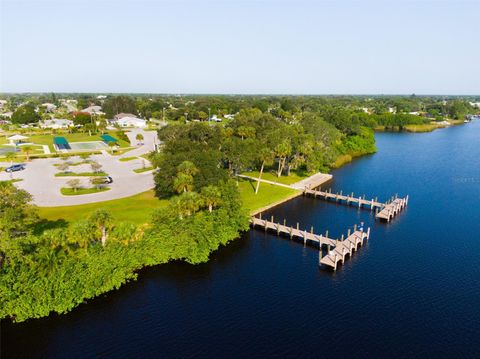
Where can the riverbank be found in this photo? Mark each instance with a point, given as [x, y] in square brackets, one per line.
[166, 237]
[398, 280]
[422, 128]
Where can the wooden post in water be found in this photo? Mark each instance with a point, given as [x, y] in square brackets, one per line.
[284, 222]
[298, 226]
[359, 202]
[368, 233]
[371, 205]
[326, 234]
[319, 255]
[348, 233]
[355, 227]
[304, 237]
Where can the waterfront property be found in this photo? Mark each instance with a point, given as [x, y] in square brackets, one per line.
[345, 246]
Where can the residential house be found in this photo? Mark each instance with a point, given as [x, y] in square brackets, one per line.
[93, 110]
[56, 124]
[129, 120]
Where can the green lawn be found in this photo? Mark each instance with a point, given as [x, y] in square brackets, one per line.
[271, 176]
[426, 127]
[14, 180]
[81, 174]
[136, 209]
[71, 192]
[141, 170]
[126, 159]
[47, 139]
[266, 195]
[73, 163]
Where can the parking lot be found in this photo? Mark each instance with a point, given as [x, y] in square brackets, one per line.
[39, 177]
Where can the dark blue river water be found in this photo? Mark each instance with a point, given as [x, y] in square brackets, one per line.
[412, 291]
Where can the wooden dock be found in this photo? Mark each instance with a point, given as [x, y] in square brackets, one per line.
[392, 209]
[337, 249]
[344, 248]
[386, 211]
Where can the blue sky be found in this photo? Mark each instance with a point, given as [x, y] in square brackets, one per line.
[240, 46]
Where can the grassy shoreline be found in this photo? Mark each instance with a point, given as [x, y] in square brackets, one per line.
[422, 128]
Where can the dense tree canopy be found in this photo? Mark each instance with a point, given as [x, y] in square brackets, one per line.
[25, 114]
[119, 104]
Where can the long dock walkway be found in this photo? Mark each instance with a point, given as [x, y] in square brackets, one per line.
[383, 210]
[341, 248]
[386, 211]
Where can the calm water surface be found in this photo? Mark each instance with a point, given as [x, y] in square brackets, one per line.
[413, 291]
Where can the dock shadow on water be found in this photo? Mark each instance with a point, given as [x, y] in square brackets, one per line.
[411, 291]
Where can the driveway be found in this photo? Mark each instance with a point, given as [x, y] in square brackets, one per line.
[40, 181]
[150, 139]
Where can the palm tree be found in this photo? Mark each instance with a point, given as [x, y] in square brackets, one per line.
[187, 203]
[183, 183]
[211, 196]
[188, 168]
[246, 132]
[266, 157]
[125, 233]
[48, 259]
[282, 151]
[10, 156]
[82, 233]
[103, 221]
[27, 150]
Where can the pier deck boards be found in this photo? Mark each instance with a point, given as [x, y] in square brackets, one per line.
[292, 232]
[341, 248]
[386, 211]
[344, 248]
[392, 209]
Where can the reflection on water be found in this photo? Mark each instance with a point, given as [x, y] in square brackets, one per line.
[412, 291]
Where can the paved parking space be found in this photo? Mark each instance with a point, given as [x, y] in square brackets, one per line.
[39, 177]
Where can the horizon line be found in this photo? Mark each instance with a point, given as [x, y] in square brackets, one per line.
[235, 94]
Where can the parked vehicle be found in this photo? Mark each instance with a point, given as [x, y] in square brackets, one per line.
[107, 180]
[15, 168]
